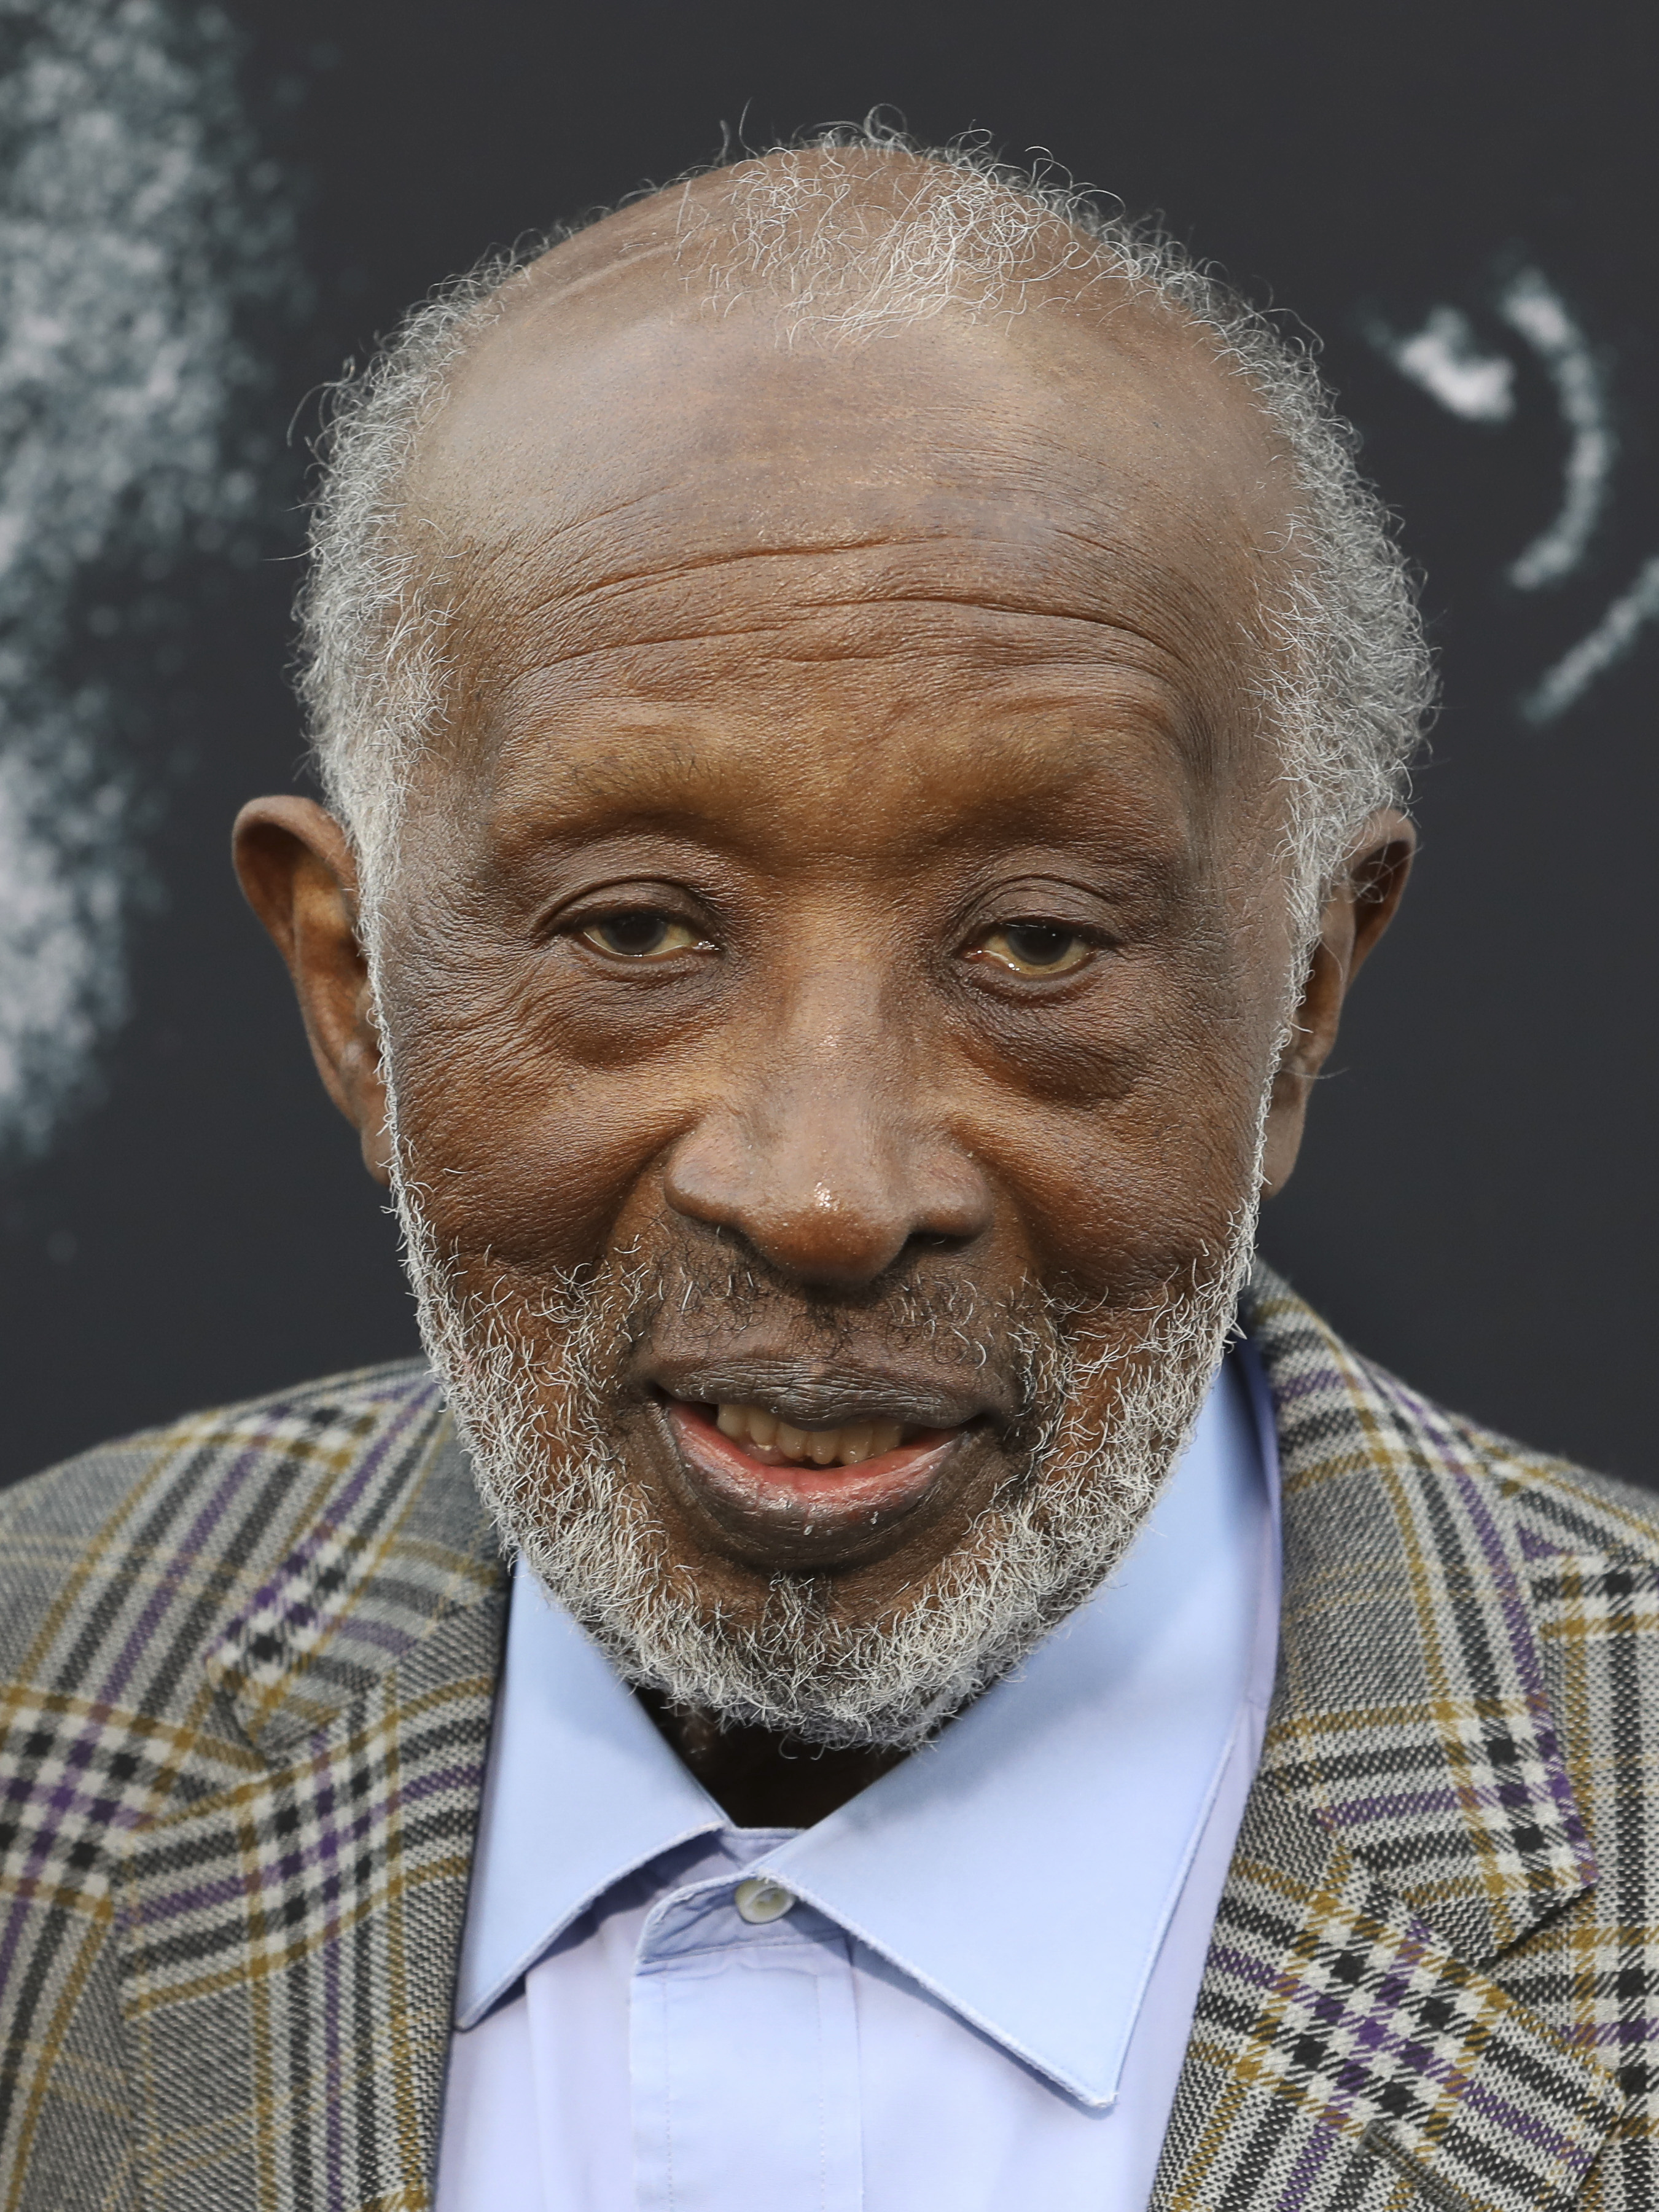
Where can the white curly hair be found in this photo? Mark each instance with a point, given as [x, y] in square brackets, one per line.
[1343, 689]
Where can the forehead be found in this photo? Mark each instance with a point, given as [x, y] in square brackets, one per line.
[629, 493]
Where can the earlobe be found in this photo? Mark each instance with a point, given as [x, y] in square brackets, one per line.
[1300, 1060]
[298, 874]
[366, 1083]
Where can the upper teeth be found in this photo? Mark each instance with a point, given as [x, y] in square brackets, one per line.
[767, 1437]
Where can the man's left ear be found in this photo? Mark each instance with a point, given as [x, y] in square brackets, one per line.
[1360, 909]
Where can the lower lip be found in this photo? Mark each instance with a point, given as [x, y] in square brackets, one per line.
[874, 1491]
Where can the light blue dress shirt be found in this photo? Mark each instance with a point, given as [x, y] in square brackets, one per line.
[974, 1987]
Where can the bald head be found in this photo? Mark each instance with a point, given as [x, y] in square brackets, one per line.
[833, 346]
[626, 459]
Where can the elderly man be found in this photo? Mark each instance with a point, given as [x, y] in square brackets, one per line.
[863, 707]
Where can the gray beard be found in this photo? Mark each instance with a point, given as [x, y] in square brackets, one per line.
[1102, 1428]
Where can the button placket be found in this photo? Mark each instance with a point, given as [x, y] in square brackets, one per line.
[744, 2045]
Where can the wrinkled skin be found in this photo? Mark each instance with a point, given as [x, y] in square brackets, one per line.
[843, 663]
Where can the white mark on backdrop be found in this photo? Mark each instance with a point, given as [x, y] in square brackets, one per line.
[1445, 358]
[1532, 306]
[1565, 684]
[126, 218]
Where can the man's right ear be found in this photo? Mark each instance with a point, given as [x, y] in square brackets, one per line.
[300, 875]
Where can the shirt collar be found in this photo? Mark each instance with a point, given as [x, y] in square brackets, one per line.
[997, 1867]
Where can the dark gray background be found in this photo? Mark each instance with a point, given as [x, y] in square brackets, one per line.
[1475, 1201]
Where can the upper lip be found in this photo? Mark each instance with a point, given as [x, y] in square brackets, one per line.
[815, 1393]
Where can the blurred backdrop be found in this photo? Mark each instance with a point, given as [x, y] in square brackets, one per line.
[203, 210]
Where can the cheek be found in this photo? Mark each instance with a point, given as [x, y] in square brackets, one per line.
[1113, 1204]
[522, 1148]
[1132, 1185]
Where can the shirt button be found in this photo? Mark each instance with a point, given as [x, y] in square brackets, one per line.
[758, 1901]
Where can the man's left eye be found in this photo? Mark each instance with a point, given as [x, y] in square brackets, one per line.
[639, 934]
[1033, 948]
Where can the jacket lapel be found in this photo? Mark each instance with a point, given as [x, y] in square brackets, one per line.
[289, 1941]
[1413, 1820]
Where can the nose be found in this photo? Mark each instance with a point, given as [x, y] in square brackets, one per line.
[829, 1156]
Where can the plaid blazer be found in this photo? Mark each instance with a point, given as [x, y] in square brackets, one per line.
[248, 1664]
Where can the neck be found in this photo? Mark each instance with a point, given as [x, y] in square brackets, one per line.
[762, 1780]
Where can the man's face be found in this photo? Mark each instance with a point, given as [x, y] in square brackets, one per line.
[838, 956]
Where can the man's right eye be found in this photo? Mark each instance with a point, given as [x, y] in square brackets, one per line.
[639, 933]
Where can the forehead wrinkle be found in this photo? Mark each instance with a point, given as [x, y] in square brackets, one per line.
[540, 701]
[1028, 503]
[555, 626]
[1030, 544]
[742, 628]
[603, 774]
[1129, 680]
[1132, 681]
[1128, 700]
[684, 789]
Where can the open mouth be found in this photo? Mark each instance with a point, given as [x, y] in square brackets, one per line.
[755, 1471]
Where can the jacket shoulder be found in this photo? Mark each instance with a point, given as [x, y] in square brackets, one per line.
[125, 1507]
[1340, 1414]
[143, 1587]
[1557, 1506]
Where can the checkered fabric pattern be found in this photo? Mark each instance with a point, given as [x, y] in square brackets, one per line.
[248, 1665]
[1434, 1977]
